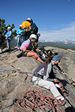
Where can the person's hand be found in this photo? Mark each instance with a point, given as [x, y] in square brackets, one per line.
[38, 50]
[54, 62]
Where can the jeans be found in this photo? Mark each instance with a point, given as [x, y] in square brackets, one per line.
[18, 41]
[8, 43]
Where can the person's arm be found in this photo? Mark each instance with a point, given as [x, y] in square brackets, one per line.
[48, 71]
[38, 50]
[41, 66]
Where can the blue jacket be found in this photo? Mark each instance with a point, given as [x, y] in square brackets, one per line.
[8, 35]
[20, 31]
[34, 29]
[57, 57]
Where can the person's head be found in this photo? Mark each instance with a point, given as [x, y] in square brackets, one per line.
[49, 55]
[8, 28]
[29, 20]
[49, 52]
[56, 59]
[33, 37]
[20, 26]
[26, 25]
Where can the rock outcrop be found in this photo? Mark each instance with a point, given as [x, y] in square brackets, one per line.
[15, 82]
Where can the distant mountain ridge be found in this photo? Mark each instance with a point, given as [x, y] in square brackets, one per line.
[60, 44]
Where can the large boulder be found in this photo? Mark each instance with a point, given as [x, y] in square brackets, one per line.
[15, 80]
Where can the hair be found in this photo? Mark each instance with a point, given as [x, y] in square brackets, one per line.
[49, 56]
[49, 53]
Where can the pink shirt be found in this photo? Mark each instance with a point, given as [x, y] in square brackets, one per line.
[25, 45]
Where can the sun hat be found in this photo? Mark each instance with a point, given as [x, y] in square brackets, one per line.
[26, 24]
[33, 36]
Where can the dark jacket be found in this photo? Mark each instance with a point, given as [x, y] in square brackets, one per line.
[34, 28]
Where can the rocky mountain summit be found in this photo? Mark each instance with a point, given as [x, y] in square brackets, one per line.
[17, 92]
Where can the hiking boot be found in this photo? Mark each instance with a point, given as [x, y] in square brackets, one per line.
[20, 55]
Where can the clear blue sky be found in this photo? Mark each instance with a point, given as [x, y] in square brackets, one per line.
[47, 14]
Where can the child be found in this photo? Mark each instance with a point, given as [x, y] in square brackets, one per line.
[8, 36]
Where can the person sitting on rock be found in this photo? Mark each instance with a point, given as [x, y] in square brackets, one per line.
[40, 77]
[30, 48]
[44, 71]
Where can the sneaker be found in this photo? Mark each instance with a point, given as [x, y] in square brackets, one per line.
[16, 47]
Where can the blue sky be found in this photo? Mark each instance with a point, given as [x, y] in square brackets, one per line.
[55, 18]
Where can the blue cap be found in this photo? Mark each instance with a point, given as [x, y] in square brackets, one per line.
[57, 57]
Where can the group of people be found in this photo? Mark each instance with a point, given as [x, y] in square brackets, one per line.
[27, 43]
[23, 33]
[43, 76]
[27, 40]
[27, 28]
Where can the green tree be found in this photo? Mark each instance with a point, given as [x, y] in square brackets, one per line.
[13, 26]
[2, 25]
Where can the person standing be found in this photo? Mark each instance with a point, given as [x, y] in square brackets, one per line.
[8, 36]
[19, 37]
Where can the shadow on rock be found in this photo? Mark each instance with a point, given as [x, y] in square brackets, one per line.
[70, 109]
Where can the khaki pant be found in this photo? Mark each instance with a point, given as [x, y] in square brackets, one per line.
[48, 85]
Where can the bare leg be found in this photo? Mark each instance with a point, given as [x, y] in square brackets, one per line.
[34, 55]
